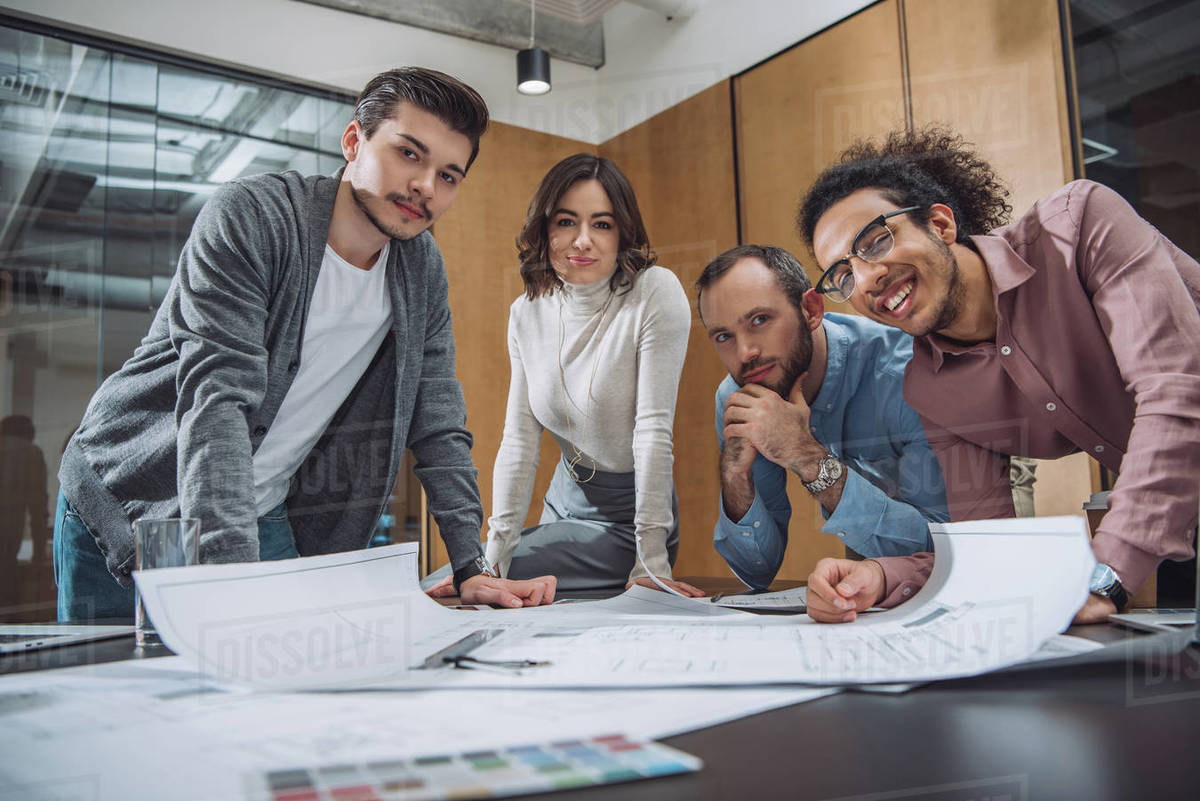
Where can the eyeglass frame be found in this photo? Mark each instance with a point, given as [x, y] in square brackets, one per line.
[825, 285]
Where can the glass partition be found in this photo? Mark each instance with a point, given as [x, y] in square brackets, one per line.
[106, 156]
[1137, 65]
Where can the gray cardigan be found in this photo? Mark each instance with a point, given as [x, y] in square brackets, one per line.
[173, 431]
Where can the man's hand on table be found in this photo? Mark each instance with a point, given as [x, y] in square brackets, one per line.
[1096, 609]
[838, 589]
[483, 589]
[681, 587]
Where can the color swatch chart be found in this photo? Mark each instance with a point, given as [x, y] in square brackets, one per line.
[483, 774]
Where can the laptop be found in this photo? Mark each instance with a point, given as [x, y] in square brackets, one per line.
[19, 638]
[1154, 620]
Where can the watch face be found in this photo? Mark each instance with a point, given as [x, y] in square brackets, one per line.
[1103, 577]
[835, 467]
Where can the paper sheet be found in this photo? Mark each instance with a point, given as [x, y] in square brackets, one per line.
[357, 619]
[155, 729]
[792, 600]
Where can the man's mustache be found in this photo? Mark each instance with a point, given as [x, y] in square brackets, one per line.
[757, 364]
[396, 197]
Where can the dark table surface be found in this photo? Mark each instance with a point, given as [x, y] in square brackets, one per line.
[1123, 730]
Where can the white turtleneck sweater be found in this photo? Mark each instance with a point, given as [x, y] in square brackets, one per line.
[635, 341]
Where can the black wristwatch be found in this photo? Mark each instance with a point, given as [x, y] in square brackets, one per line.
[1107, 584]
[473, 568]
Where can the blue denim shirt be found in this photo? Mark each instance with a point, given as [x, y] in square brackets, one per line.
[894, 485]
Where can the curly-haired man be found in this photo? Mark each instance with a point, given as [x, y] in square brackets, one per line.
[1073, 328]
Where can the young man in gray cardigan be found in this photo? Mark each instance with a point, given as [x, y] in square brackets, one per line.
[304, 343]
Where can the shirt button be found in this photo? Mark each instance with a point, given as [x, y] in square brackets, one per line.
[907, 591]
[258, 432]
[745, 533]
[757, 523]
[1005, 350]
[1099, 449]
[293, 367]
[842, 534]
[1051, 406]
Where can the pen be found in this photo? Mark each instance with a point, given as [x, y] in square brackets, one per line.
[716, 597]
[460, 648]
[457, 654]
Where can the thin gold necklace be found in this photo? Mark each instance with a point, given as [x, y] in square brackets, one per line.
[577, 454]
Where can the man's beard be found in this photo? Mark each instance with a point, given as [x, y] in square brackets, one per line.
[952, 304]
[791, 366]
[391, 233]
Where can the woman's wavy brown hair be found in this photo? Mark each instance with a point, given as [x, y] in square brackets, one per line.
[914, 168]
[533, 245]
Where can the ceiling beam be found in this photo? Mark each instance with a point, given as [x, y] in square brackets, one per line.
[499, 23]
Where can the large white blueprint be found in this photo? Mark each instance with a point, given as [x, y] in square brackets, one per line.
[999, 590]
[155, 729]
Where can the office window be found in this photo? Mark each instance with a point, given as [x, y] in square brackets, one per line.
[106, 157]
[1138, 71]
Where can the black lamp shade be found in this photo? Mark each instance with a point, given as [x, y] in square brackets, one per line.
[533, 71]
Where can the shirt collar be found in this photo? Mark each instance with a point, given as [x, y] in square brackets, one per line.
[1007, 271]
[837, 347]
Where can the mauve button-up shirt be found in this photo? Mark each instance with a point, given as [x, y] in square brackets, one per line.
[1097, 349]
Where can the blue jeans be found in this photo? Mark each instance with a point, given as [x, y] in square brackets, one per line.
[87, 591]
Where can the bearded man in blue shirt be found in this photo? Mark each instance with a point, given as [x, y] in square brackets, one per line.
[818, 395]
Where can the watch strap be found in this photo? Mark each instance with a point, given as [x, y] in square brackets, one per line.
[473, 568]
[1114, 591]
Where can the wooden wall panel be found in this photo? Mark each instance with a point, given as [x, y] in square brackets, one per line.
[680, 163]
[795, 113]
[477, 237]
[993, 70]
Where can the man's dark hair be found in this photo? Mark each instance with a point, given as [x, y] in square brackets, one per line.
[443, 96]
[914, 168]
[789, 273]
[634, 253]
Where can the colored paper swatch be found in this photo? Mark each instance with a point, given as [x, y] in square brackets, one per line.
[516, 770]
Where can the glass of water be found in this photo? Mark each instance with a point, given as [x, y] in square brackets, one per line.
[168, 542]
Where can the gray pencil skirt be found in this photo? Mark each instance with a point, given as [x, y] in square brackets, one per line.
[586, 534]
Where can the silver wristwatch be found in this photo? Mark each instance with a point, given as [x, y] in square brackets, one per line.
[830, 469]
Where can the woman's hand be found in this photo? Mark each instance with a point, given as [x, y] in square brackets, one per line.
[681, 587]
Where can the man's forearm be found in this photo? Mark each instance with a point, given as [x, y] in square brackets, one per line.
[737, 494]
[806, 465]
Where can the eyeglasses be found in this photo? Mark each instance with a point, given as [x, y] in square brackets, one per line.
[873, 244]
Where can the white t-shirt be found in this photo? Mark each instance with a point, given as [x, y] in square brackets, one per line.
[347, 321]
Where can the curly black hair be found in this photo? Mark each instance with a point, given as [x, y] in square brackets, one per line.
[914, 168]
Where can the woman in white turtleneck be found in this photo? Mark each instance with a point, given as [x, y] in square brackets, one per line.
[596, 344]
